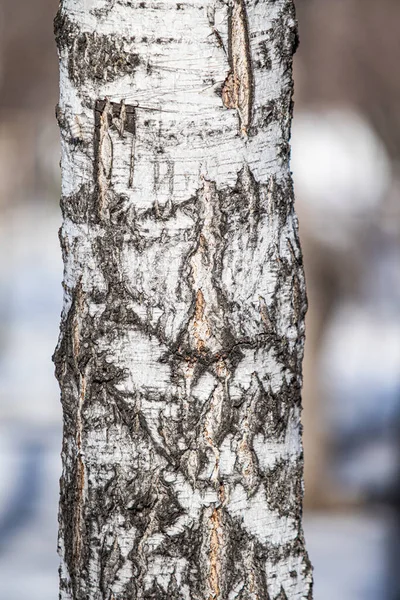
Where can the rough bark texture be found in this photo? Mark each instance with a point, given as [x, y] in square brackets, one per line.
[182, 332]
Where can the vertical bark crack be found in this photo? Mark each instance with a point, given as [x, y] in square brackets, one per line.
[77, 309]
[104, 157]
[206, 328]
[218, 548]
[237, 91]
[216, 544]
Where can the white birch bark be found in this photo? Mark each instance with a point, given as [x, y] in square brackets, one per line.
[182, 331]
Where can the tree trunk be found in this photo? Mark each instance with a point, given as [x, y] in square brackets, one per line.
[182, 331]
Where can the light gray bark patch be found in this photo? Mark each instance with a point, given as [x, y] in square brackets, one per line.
[274, 111]
[211, 21]
[93, 56]
[237, 90]
[163, 181]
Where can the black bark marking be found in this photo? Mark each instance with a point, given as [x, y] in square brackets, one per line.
[93, 56]
[284, 33]
[263, 56]
[283, 485]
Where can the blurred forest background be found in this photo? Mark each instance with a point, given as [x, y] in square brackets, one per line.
[345, 159]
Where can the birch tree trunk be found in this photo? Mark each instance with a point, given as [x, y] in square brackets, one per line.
[179, 357]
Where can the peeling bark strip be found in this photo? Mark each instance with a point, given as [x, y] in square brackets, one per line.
[110, 116]
[182, 332]
[237, 91]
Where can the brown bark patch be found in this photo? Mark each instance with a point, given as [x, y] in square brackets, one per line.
[237, 91]
[216, 545]
[201, 331]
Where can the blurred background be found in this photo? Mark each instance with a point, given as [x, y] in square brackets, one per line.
[345, 159]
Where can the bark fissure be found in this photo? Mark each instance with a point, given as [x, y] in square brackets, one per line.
[237, 91]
